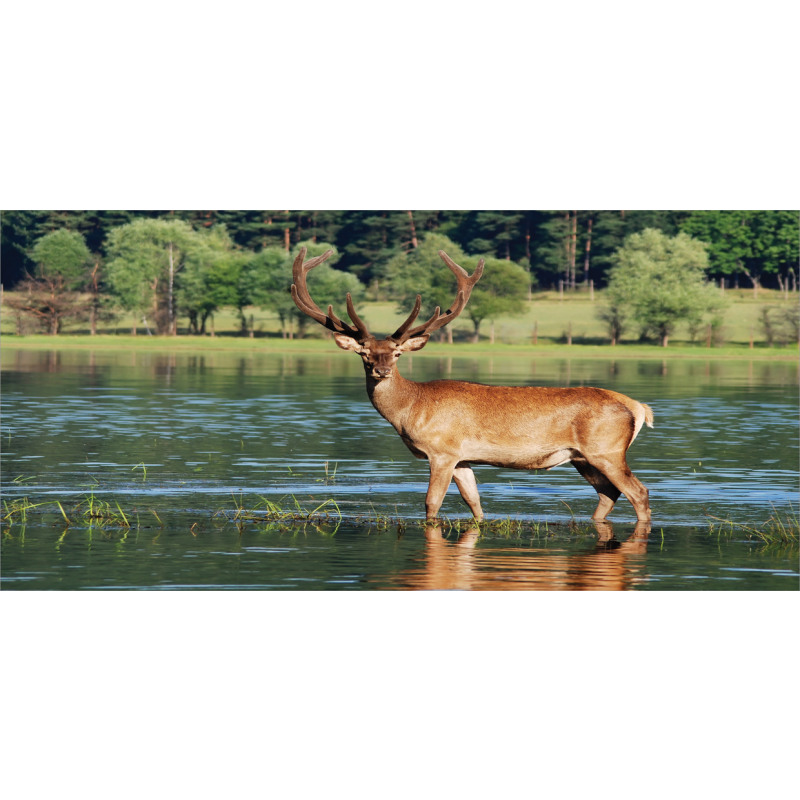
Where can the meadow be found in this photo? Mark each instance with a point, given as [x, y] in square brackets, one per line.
[554, 324]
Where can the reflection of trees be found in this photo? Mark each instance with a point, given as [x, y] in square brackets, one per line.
[610, 565]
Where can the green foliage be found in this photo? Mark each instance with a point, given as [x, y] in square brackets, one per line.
[216, 256]
[752, 243]
[211, 276]
[422, 271]
[502, 290]
[51, 295]
[661, 280]
[61, 258]
[264, 282]
[146, 255]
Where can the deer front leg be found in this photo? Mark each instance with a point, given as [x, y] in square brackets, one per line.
[468, 486]
[441, 473]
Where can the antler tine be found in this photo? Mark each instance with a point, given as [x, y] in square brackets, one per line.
[465, 284]
[351, 311]
[400, 332]
[303, 301]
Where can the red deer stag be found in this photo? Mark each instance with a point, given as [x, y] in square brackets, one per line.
[455, 424]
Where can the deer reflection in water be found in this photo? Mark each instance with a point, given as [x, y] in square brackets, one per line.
[610, 565]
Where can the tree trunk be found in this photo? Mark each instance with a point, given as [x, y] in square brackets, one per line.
[588, 250]
[753, 279]
[172, 322]
[95, 299]
[414, 242]
[573, 249]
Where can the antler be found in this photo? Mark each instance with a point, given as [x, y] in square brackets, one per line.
[439, 320]
[303, 301]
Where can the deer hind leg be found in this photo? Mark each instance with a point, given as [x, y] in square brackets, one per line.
[607, 493]
[468, 486]
[615, 469]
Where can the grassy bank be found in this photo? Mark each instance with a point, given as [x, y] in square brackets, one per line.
[544, 349]
[549, 323]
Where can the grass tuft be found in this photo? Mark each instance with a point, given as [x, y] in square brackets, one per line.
[777, 529]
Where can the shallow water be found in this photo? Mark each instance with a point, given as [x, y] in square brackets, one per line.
[179, 441]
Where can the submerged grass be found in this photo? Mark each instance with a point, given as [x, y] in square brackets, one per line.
[89, 511]
[778, 529]
[781, 528]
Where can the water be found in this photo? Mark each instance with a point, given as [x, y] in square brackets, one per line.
[181, 440]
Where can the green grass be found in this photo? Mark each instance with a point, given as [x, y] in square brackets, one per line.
[91, 512]
[777, 529]
[544, 349]
[551, 317]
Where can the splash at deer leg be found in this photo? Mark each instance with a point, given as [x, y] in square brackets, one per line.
[468, 486]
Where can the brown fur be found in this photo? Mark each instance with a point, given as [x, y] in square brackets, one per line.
[454, 424]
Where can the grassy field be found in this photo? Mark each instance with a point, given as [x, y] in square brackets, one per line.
[548, 319]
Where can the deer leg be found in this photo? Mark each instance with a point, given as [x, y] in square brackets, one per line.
[468, 486]
[607, 493]
[441, 474]
[616, 470]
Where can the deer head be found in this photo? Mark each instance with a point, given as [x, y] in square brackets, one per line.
[380, 355]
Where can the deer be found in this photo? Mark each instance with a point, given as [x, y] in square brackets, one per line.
[457, 424]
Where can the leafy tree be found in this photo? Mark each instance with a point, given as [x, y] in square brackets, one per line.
[422, 271]
[754, 243]
[61, 258]
[493, 233]
[615, 317]
[661, 281]
[146, 256]
[265, 280]
[210, 277]
[370, 238]
[502, 290]
[51, 294]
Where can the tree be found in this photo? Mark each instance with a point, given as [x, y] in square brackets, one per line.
[754, 243]
[422, 271]
[502, 290]
[51, 293]
[210, 277]
[661, 281]
[265, 280]
[146, 256]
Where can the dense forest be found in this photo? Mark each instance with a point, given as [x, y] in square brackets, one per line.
[165, 264]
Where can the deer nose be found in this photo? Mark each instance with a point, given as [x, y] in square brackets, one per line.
[382, 372]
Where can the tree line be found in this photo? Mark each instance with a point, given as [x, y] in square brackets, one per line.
[162, 266]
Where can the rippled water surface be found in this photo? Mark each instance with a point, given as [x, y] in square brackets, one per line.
[181, 441]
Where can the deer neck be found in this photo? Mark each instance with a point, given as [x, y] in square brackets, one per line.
[393, 396]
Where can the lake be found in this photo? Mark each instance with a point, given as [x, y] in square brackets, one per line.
[194, 448]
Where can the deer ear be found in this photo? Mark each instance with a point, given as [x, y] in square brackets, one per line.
[348, 343]
[414, 343]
